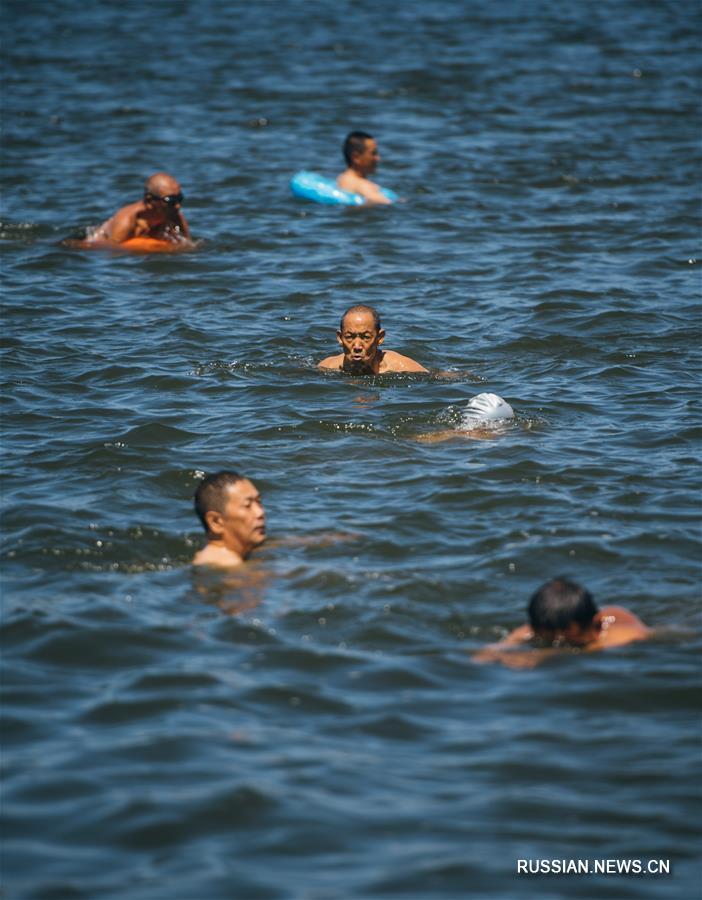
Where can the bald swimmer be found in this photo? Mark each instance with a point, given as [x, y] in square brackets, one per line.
[362, 157]
[563, 615]
[230, 509]
[360, 335]
[157, 215]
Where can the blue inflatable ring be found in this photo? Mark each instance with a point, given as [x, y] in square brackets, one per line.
[311, 186]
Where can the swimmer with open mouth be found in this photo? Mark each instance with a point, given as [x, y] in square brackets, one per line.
[360, 336]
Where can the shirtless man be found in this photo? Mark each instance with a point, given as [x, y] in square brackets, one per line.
[564, 615]
[362, 158]
[360, 336]
[230, 509]
[158, 215]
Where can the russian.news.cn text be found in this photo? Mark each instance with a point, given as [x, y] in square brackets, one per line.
[593, 867]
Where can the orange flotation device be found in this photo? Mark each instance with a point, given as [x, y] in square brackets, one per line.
[133, 245]
[151, 245]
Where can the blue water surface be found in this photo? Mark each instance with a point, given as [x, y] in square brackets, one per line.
[313, 725]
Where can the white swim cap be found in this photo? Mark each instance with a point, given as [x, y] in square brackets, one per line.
[486, 409]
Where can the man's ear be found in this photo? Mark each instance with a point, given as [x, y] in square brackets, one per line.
[215, 524]
[338, 337]
[381, 336]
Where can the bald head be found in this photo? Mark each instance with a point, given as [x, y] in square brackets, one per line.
[162, 185]
[363, 310]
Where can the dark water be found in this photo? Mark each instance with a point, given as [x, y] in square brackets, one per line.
[313, 727]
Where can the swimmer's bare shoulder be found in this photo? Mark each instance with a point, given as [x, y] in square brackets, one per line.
[217, 557]
[389, 362]
[124, 224]
[332, 362]
[396, 362]
[620, 626]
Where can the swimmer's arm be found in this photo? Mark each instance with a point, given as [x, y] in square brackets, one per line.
[327, 539]
[372, 192]
[521, 635]
[495, 652]
[507, 651]
[449, 375]
[515, 659]
[331, 362]
[182, 223]
[354, 184]
[475, 434]
[122, 226]
[435, 437]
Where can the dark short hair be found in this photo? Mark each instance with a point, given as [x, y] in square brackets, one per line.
[558, 603]
[358, 307]
[211, 493]
[355, 143]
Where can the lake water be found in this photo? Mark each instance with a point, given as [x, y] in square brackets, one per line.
[313, 726]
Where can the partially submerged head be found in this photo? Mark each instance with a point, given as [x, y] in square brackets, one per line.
[360, 336]
[562, 610]
[230, 509]
[361, 152]
[486, 409]
[162, 192]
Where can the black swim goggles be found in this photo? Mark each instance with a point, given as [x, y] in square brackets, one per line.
[169, 199]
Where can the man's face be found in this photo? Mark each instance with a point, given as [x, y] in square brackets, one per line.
[242, 524]
[574, 635]
[165, 199]
[367, 161]
[360, 341]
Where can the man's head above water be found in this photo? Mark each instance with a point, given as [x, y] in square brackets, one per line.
[360, 336]
[230, 509]
[361, 152]
[362, 156]
[563, 616]
[157, 215]
[563, 610]
[363, 309]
